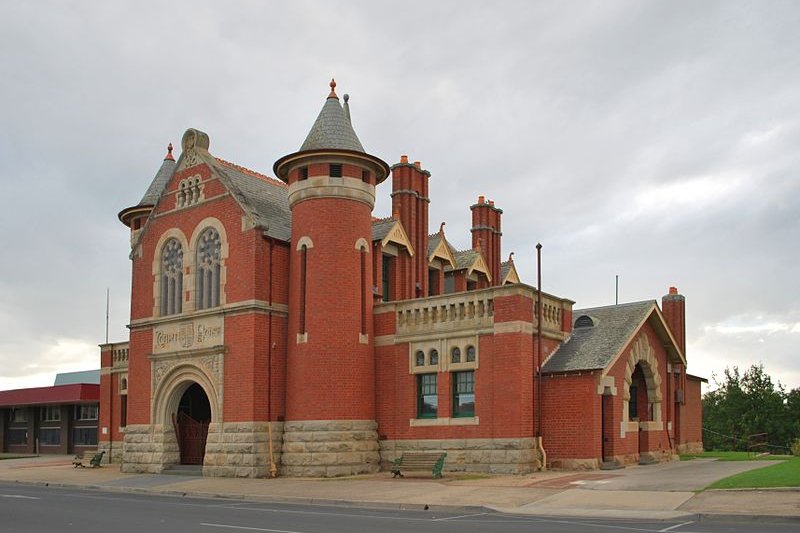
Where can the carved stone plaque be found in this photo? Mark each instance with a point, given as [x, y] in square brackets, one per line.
[191, 335]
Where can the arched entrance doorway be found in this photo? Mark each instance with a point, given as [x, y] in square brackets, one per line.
[191, 424]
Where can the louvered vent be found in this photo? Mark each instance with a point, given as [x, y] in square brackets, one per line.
[584, 321]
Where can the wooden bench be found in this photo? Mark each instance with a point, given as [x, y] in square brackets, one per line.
[433, 461]
[89, 458]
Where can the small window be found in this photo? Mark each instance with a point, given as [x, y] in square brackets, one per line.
[455, 355]
[365, 176]
[419, 359]
[386, 277]
[123, 411]
[464, 394]
[336, 171]
[49, 436]
[51, 414]
[84, 436]
[434, 359]
[17, 415]
[85, 412]
[633, 404]
[303, 174]
[470, 354]
[427, 396]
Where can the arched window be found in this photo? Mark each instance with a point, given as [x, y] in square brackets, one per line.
[470, 354]
[455, 355]
[419, 359]
[434, 357]
[208, 269]
[171, 277]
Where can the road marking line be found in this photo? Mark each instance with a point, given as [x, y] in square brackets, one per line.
[457, 517]
[228, 526]
[674, 527]
[19, 496]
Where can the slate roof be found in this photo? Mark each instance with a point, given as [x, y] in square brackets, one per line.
[591, 348]
[265, 198]
[381, 227]
[332, 130]
[159, 182]
[505, 268]
[465, 258]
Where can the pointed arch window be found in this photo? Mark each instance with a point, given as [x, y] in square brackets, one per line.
[207, 273]
[171, 277]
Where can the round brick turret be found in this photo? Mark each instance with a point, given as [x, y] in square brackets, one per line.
[330, 368]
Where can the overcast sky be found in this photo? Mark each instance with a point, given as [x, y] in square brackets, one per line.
[657, 141]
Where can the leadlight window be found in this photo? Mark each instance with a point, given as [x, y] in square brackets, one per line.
[470, 354]
[464, 394]
[207, 277]
[434, 357]
[171, 277]
[419, 358]
[455, 355]
[427, 396]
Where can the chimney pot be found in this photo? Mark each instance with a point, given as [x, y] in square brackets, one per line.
[673, 290]
[404, 159]
[491, 203]
[417, 164]
[481, 199]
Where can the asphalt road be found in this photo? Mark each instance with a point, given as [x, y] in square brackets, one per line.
[37, 509]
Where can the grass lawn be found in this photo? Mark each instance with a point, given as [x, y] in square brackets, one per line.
[783, 474]
[735, 456]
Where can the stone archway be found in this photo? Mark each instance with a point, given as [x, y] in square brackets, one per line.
[185, 405]
[643, 356]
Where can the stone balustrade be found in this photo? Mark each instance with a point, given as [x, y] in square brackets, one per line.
[119, 355]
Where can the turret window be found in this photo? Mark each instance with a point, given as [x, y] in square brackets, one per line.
[207, 272]
[336, 171]
[171, 277]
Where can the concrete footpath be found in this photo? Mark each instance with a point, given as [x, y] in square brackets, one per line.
[647, 492]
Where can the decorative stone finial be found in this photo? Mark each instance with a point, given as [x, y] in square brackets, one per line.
[333, 89]
[511, 257]
[169, 156]
[346, 98]
[441, 228]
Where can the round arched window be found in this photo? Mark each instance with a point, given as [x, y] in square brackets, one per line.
[470, 354]
[419, 359]
[434, 357]
[455, 355]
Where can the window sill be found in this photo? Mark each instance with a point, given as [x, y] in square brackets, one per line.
[461, 421]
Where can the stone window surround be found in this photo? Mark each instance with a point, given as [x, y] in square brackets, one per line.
[190, 192]
[444, 346]
[189, 259]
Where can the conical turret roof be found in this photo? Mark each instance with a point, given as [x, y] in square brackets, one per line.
[332, 130]
[160, 180]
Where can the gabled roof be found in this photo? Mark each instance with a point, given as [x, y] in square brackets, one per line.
[439, 247]
[60, 394]
[471, 260]
[508, 272]
[389, 230]
[602, 333]
[332, 130]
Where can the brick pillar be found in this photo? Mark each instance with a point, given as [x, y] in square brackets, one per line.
[410, 201]
[487, 233]
[673, 306]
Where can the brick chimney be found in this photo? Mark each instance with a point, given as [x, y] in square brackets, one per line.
[486, 233]
[673, 306]
[410, 201]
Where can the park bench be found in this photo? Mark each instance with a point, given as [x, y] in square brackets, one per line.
[433, 461]
[89, 458]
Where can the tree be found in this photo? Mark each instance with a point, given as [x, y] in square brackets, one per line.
[750, 404]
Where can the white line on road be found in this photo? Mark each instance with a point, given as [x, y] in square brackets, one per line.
[228, 526]
[20, 496]
[676, 526]
[457, 517]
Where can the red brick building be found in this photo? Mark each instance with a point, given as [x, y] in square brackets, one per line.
[277, 325]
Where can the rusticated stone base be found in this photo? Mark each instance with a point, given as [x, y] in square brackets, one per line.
[113, 451]
[590, 463]
[329, 448]
[148, 448]
[496, 456]
[234, 449]
[691, 447]
[241, 449]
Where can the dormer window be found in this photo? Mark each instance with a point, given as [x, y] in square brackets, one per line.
[336, 171]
